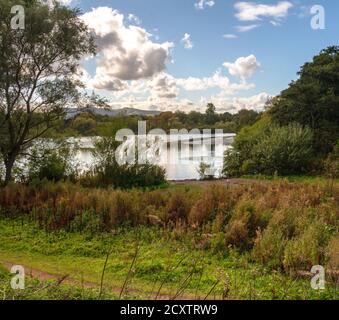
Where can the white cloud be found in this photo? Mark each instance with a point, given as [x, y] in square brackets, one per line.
[162, 91]
[125, 52]
[164, 86]
[275, 23]
[250, 11]
[234, 105]
[243, 67]
[65, 2]
[222, 103]
[132, 66]
[217, 80]
[134, 19]
[186, 40]
[247, 28]
[230, 36]
[201, 4]
[50, 3]
[256, 102]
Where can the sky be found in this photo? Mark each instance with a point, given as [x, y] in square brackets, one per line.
[182, 54]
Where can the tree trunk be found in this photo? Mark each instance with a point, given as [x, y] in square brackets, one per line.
[9, 164]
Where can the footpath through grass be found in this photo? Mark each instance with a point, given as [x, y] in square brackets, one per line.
[166, 264]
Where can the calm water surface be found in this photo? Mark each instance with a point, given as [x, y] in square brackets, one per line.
[179, 155]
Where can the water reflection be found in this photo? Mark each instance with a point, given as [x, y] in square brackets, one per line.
[179, 155]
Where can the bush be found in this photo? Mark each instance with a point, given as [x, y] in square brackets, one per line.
[307, 249]
[269, 247]
[108, 172]
[50, 164]
[243, 225]
[205, 171]
[270, 149]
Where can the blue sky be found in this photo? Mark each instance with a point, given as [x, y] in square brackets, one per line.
[181, 54]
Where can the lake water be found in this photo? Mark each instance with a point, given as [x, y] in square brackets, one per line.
[180, 155]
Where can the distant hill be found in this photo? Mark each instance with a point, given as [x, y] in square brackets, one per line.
[70, 113]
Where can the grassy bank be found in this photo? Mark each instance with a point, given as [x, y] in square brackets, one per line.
[231, 240]
[163, 261]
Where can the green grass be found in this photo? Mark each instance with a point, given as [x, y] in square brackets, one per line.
[291, 178]
[164, 257]
[46, 290]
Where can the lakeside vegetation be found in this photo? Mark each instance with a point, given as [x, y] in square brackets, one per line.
[255, 240]
[299, 131]
[124, 232]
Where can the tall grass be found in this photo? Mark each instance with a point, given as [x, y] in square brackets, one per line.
[285, 226]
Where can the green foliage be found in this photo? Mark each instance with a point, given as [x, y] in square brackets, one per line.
[211, 116]
[108, 172]
[162, 261]
[281, 225]
[313, 100]
[204, 171]
[299, 129]
[37, 68]
[87, 123]
[50, 164]
[84, 124]
[269, 149]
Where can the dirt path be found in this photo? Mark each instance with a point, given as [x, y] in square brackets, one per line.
[67, 280]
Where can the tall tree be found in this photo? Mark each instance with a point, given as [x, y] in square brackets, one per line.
[313, 100]
[37, 71]
[211, 115]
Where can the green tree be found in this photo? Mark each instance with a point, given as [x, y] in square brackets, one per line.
[211, 115]
[245, 118]
[313, 100]
[51, 163]
[37, 67]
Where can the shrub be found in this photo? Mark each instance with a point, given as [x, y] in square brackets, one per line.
[205, 171]
[237, 233]
[215, 199]
[108, 172]
[306, 250]
[270, 149]
[243, 225]
[50, 164]
[218, 243]
[331, 166]
[269, 248]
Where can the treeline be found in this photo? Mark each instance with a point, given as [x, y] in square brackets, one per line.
[90, 124]
[299, 131]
